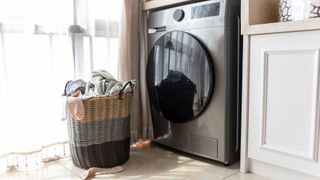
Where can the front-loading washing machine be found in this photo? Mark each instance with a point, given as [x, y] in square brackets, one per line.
[194, 78]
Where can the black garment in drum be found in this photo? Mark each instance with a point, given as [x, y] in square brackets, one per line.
[178, 65]
[176, 96]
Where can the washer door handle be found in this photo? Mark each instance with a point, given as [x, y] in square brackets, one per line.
[152, 31]
[157, 29]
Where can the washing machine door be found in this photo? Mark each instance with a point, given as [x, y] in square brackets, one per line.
[180, 77]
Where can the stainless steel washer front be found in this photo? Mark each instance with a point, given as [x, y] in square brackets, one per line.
[187, 77]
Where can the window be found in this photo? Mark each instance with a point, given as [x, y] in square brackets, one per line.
[43, 44]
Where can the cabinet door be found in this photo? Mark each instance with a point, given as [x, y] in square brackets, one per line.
[284, 100]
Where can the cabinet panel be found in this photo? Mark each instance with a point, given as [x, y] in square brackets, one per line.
[284, 100]
[290, 101]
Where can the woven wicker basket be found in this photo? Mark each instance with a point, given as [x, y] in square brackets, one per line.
[102, 137]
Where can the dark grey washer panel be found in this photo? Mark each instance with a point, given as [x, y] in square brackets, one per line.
[198, 142]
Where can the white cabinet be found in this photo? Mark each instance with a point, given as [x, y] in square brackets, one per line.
[283, 100]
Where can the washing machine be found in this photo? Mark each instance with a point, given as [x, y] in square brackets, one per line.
[194, 78]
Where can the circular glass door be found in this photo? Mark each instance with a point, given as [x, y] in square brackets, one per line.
[180, 77]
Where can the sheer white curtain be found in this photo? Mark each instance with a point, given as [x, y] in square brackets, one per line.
[43, 44]
[96, 38]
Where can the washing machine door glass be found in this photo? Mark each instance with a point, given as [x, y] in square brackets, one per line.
[180, 77]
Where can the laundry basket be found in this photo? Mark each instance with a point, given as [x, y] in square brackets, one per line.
[102, 137]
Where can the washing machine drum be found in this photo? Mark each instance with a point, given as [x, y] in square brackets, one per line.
[180, 77]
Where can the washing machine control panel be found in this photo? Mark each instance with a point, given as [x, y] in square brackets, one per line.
[214, 10]
[205, 10]
[196, 12]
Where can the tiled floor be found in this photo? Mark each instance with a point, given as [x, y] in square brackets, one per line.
[152, 163]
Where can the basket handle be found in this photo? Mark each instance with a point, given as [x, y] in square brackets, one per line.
[124, 87]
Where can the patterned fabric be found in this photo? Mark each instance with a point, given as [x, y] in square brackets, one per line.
[285, 11]
[290, 13]
[315, 9]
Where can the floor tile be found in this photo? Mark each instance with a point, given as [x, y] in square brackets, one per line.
[152, 163]
[4, 176]
[242, 176]
[50, 170]
[67, 164]
[158, 163]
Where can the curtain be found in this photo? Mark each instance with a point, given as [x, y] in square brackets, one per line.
[96, 36]
[43, 44]
[132, 65]
[36, 60]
